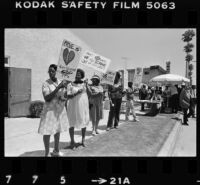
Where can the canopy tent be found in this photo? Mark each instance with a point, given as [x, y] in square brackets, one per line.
[169, 79]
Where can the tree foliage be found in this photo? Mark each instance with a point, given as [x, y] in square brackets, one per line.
[188, 35]
[188, 47]
[191, 67]
[189, 57]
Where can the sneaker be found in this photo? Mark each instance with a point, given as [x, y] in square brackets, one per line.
[136, 120]
[93, 133]
[108, 129]
[97, 132]
[56, 154]
[116, 127]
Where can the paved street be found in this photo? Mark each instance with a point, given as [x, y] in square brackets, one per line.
[144, 138]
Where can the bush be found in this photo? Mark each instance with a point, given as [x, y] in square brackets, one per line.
[36, 108]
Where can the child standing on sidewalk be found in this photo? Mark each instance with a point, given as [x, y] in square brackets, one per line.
[130, 103]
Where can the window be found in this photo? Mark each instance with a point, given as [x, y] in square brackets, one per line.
[7, 61]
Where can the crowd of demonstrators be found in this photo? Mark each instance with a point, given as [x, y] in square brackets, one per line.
[115, 93]
[72, 105]
[130, 102]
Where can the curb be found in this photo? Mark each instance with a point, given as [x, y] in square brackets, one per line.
[169, 145]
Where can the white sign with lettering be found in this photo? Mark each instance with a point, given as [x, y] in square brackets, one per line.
[108, 77]
[95, 61]
[68, 61]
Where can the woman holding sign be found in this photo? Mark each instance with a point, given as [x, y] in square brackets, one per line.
[77, 107]
[95, 93]
[115, 93]
[54, 116]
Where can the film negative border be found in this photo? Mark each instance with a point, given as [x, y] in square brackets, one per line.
[138, 170]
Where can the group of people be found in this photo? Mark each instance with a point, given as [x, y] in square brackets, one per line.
[70, 105]
[172, 96]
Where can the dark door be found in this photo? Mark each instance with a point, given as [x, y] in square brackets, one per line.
[5, 100]
[19, 91]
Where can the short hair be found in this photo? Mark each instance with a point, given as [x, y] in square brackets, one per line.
[118, 74]
[53, 66]
[82, 72]
[130, 84]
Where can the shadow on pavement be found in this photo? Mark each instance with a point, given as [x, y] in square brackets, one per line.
[36, 153]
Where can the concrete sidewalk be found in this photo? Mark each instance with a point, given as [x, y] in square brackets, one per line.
[22, 139]
[186, 141]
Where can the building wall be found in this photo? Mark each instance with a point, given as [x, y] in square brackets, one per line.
[37, 49]
[146, 77]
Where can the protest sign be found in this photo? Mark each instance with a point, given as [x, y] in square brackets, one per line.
[108, 77]
[95, 61]
[138, 77]
[68, 61]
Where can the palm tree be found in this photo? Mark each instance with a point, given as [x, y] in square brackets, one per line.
[187, 37]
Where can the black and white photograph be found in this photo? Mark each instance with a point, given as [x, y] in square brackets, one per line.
[100, 92]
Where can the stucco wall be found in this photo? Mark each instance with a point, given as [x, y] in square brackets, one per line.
[37, 49]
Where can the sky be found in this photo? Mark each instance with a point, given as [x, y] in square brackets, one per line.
[140, 47]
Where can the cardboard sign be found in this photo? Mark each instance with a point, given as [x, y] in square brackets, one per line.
[95, 61]
[138, 77]
[68, 61]
[108, 77]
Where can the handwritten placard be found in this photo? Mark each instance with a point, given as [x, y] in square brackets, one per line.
[108, 77]
[68, 61]
[95, 61]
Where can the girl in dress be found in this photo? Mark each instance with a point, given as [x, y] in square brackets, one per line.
[77, 107]
[54, 116]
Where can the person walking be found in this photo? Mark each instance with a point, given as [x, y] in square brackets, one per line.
[77, 107]
[185, 103]
[115, 93]
[130, 102]
[143, 95]
[54, 116]
[96, 95]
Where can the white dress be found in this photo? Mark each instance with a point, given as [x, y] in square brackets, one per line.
[54, 116]
[78, 106]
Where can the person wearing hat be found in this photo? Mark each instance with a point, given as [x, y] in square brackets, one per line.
[184, 101]
[95, 94]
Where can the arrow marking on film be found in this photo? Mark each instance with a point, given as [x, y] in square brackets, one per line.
[100, 181]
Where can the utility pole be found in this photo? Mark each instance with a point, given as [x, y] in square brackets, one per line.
[125, 76]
